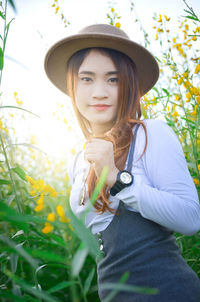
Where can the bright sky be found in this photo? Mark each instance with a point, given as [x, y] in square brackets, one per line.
[35, 28]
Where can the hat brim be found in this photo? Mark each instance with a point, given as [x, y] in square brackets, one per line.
[58, 55]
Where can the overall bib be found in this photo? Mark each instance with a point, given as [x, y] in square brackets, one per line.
[150, 254]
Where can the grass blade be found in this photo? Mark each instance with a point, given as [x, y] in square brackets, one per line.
[15, 107]
[79, 259]
[60, 286]
[88, 281]
[30, 289]
[19, 250]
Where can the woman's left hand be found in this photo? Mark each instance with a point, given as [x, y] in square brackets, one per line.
[99, 153]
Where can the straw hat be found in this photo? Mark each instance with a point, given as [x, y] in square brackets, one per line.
[100, 35]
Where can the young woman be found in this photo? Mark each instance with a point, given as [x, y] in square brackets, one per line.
[149, 192]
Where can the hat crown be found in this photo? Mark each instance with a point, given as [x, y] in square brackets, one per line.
[104, 29]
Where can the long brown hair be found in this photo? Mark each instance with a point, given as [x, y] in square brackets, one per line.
[128, 115]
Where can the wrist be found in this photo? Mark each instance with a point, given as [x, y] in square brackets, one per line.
[112, 177]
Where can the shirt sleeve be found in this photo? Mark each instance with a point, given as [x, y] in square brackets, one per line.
[170, 199]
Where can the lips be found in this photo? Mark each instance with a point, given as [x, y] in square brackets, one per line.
[100, 107]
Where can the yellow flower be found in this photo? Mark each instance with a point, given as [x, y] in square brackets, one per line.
[15, 94]
[188, 95]
[196, 181]
[112, 10]
[60, 211]
[160, 30]
[160, 18]
[198, 99]
[167, 19]
[48, 228]
[49, 189]
[197, 69]
[198, 167]
[30, 180]
[174, 40]
[65, 121]
[175, 113]
[180, 81]
[194, 38]
[39, 185]
[53, 5]
[177, 97]
[41, 199]
[186, 26]
[32, 192]
[186, 84]
[57, 9]
[84, 146]
[118, 25]
[198, 29]
[39, 208]
[156, 36]
[51, 217]
[185, 74]
[195, 110]
[64, 219]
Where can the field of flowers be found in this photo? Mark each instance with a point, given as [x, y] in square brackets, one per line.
[46, 253]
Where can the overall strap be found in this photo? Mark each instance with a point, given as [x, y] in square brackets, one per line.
[132, 148]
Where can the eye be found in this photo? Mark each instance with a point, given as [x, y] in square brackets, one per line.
[86, 79]
[113, 80]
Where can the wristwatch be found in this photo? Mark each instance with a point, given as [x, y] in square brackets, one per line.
[124, 179]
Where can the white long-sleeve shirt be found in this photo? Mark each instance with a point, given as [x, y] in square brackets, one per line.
[163, 190]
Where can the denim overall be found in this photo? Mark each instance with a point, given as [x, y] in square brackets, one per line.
[150, 254]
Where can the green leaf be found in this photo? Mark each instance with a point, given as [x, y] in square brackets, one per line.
[88, 281]
[11, 297]
[13, 262]
[9, 214]
[79, 259]
[58, 239]
[45, 255]
[15, 107]
[158, 59]
[2, 16]
[99, 185]
[60, 286]
[11, 2]
[18, 248]
[6, 35]
[189, 121]
[5, 182]
[166, 91]
[40, 294]
[190, 17]
[84, 234]
[189, 12]
[1, 58]
[20, 172]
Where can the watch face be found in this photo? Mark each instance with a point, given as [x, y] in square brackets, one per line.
[126, 178]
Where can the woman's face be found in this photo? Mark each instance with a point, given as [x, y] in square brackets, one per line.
[97, 91]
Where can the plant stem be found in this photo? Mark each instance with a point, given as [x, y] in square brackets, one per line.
[11, 177]
[4, 34]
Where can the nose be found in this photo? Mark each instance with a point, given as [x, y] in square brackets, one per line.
[99, 91]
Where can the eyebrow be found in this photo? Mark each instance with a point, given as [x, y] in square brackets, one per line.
[92, 73]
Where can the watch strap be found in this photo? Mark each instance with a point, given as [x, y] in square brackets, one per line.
[117, 187]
